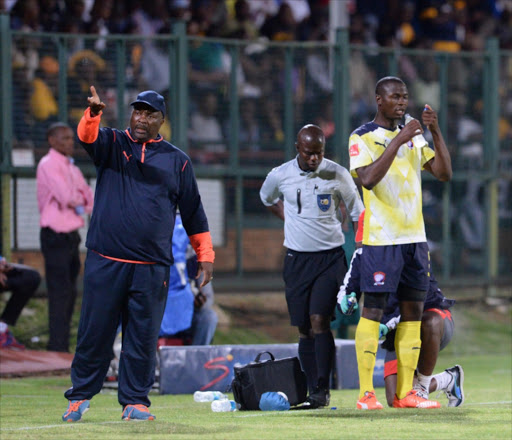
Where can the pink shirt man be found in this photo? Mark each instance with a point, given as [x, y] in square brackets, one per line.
[62, 193]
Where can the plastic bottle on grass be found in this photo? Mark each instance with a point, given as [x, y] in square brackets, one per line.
[224, 406]
[209, 396]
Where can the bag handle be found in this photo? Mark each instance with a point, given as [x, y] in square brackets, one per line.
[272, 358]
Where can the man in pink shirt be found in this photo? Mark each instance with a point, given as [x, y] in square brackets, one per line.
[63, 197]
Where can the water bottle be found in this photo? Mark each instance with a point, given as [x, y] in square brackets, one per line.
[352, 301]
[418, 140]
[224, 405]
[209, 396]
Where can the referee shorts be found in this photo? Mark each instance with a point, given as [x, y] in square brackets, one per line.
[390, 361]
[312, 281]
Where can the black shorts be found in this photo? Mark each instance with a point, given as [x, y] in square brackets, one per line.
[384, 267]
[312, 282]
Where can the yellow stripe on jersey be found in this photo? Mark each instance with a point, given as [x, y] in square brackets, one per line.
[394, 206]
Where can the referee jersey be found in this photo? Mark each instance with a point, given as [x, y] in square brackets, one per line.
[311, 203]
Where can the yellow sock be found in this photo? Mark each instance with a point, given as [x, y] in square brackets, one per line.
[367, 342]
[407, 347]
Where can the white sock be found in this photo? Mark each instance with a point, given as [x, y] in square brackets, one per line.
[3, 327]
[424, 381]
[443, 380]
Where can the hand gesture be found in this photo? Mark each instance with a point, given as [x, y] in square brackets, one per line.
[95, 103]
[429, 118]
[383, 330]
[206, 269]
[346, 306]
[411, 129]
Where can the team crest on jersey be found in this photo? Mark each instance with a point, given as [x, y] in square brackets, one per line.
[354, 150]
[324, 201]
[410, 145]
[379, 278]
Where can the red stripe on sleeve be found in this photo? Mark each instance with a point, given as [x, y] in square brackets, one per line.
[202, 244]
[88, 127]
[184, 165]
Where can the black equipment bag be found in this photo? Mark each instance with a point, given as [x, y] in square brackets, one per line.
[258, 377]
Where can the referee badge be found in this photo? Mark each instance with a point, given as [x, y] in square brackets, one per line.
[324, 201]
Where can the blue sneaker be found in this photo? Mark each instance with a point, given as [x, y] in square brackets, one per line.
[137, 412]
[76, 409]
[455, 391]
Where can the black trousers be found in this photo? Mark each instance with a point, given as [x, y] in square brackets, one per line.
[22, 282]
[62, 265]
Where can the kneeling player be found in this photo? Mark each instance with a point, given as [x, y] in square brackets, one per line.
[436, 332]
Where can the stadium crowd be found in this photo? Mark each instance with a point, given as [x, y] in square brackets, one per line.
[453, 26]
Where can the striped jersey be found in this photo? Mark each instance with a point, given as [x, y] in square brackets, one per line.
[393, 207]
[311, 203]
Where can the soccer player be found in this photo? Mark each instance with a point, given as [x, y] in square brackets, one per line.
[388, 159]
[436, 332]
[306, 192]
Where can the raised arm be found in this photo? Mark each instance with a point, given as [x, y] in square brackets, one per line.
[440, 166]
[371, 175]
[95, 103]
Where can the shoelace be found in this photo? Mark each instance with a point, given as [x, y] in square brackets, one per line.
[368, 395]
[74, 406]
[138, 406]
[421, 392]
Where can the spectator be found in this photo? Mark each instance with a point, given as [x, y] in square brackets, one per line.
[179, 307]
[188, 311]
[85, 68]
[22, 281]
[63, 197]
[204, 319]
[44, 107]
[205, 131]
[241, 26]
[282, 26]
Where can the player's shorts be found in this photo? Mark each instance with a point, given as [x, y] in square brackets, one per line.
[390, 361]
[312, 281]
[384, 267]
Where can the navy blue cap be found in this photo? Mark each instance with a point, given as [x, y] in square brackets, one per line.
[151, 98]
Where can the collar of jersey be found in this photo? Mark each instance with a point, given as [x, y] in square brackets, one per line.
[308, 173]
[159, 138]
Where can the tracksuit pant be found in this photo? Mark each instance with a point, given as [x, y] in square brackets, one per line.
[62, 265]
[135, 294]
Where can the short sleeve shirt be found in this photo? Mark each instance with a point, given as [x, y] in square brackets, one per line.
[393, 207]
[311, 203]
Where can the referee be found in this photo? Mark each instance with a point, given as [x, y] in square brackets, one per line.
[306, 192]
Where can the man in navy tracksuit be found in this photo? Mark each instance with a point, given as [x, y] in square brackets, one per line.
[141, 181]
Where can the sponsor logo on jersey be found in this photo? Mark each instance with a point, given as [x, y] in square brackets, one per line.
[324, 201]
[379, 278]
[353, 150]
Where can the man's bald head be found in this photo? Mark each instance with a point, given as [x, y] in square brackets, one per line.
[310, 133]
[310, 147]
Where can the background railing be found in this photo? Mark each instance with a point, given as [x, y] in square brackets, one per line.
[235, 107]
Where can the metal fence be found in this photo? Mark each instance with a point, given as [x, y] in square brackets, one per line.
[235, 107]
